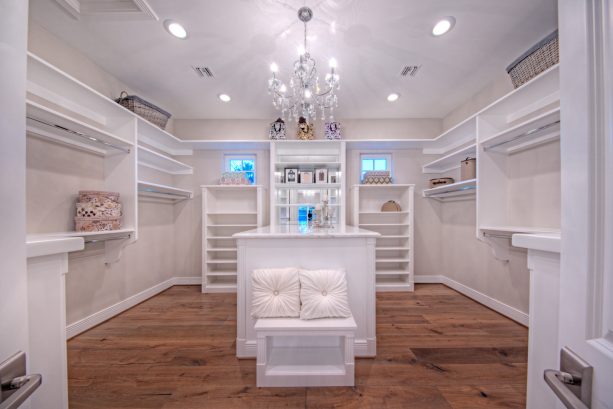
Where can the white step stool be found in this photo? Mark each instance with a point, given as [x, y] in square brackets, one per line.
[295, 352]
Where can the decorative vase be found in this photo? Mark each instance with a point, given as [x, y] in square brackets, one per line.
[277, 130]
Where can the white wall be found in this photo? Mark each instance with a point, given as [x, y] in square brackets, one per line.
[54, 176]
[13, 284]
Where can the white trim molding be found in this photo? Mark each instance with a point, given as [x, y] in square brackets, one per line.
[496, 305]
[109, 312]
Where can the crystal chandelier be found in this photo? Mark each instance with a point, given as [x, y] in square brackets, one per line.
[303, 96]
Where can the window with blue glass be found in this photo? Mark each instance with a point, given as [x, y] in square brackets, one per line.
[242, 163]
[372, 162]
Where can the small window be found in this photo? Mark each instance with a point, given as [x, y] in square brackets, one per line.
[369, 162]
[242, 163]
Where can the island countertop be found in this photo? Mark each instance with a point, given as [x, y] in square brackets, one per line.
[304, 231]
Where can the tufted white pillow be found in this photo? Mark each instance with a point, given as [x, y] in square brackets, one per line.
[323, 294]
[275, 293]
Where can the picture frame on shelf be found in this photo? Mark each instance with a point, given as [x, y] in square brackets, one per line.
[291, 175]
[332, 177]
[306, 176]
[321, 175]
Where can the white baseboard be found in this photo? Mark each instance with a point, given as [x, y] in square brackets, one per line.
[498, 306]
[99, 317]
[188, 281]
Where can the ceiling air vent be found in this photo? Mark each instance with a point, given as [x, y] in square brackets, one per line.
[203, 72]
[410, 70]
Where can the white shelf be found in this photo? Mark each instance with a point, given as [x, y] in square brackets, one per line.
[387, 186]
[304, 165]
[394, 236]
[162, 163]
[392, 260]
[158, 191]
[228, 145]
[392, 248]
[509, 230]
[533, 132]
[304, 204]
[384, 224]
[454, 190]
[392, 284]
[231, 213]
[315, 361]
[222, 273]
[392, 273]
[220, 238]
[451, 161]
[223, 287]
[231, 225]
[46, 122]
[230, 187]
[222, 250]
[353, 144]
[307, 186]
[160, 139]
[461, 134]
[93, 236]
[221, 261]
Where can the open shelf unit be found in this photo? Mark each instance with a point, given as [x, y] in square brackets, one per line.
[451, 161]
[226, 210]
[81, 121]
[460, 135]
[288, 201]
[454, 191]
[157, 191]
[155, 137]
[160, 162]
[518, 160]
[394, 249]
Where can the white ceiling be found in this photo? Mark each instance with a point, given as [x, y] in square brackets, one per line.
[374, 40]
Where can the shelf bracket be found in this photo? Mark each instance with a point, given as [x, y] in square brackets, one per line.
[499, 246]
[113, 249]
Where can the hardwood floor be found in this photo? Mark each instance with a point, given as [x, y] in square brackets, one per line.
[435, 349]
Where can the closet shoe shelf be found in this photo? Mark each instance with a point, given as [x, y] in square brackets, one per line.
[158, 191]
[162, 163]
[533, 132]
[46, 122]
[452, 191]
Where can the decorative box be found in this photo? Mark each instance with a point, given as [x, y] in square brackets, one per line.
[91, 224]
[468, 169]
[440, 181]
[377, 177]
[233, 178]
[106, 209]
[333, 130]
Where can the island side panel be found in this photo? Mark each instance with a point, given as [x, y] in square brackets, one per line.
[355, 254]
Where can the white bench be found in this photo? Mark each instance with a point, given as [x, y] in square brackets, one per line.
[295, 352]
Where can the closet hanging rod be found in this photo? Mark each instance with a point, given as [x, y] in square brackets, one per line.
[109, 239]
[149, 190]
[81, 135]
[498, 236]
[525, 134]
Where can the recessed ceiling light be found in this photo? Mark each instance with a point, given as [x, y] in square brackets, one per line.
[224, 97]
[175, 29]
[443, 26]
[393, 97]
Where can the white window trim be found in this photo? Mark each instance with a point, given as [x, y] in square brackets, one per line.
[242, 156]
[387, 156]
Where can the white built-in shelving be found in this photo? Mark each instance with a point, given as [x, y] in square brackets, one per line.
[462, 134]
[518, 160]
[288, 199]
[162, 140]
[226, 210]
[163, 163]
[451, 161]
[65, 111]
[453, 191]
[163, 192]
[394, 248]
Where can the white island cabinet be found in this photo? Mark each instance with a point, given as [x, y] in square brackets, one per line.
[346, 247]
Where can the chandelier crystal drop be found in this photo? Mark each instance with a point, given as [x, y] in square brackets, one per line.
[303, 96]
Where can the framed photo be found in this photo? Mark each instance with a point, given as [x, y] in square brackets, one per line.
[306, 176]
[321, 175]
[332, 178]
[291, 175]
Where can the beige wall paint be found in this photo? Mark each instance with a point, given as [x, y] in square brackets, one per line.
[352, 128]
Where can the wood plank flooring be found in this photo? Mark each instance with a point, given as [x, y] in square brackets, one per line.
[436, 349]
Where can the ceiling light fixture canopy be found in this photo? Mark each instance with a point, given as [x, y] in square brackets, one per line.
[303, 96]
[443, 26]
[175, 29]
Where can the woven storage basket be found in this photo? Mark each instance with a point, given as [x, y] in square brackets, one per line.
[537, 59]
[391, 206]
[144, 109]
[106, 209]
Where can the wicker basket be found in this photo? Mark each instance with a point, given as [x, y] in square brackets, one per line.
[440, 181]
[391, 206]
[91, 224]
[536, 60]
[144, 109]
[97, 196]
